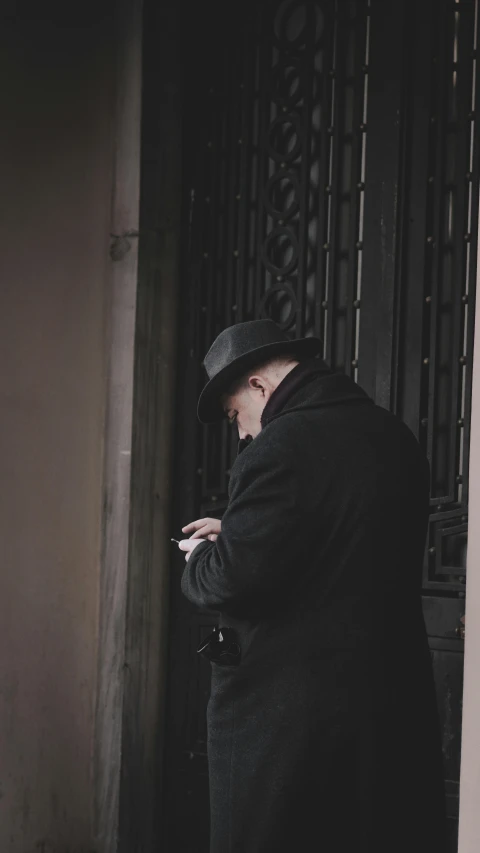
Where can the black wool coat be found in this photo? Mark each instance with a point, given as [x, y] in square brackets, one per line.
[325, 737]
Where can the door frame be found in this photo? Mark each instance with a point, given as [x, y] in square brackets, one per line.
[138, 447]
[117, 459]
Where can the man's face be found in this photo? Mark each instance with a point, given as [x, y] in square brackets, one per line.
[244, 408]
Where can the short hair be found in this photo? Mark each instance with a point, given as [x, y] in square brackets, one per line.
[277, 361]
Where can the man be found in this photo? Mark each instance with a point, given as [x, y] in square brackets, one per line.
[322, 727]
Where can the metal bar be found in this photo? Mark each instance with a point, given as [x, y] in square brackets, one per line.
[473, 177]
[383, 200]
[462, 235]
[308, 58]
[262, 164]
[334, 130]
[214, 152]
[246, 152]
[358, 131]
[234, 144]
[221, 260]
[435, 238]
[324, 188]
[304, 183]
[413, 304]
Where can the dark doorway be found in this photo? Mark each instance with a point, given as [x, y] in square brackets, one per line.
[331, 182]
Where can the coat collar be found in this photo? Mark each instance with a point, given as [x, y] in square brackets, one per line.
[311, 385]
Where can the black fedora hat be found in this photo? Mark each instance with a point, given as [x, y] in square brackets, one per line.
[240, 347]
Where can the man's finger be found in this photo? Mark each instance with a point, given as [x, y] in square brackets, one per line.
[189, 545]
[193, 525]
[202, 531]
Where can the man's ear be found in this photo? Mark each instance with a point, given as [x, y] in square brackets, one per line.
[256, 383]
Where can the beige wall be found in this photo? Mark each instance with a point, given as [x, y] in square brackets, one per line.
[469, 830]
[55, 164]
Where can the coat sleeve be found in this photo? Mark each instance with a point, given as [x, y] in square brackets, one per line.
[263, 534]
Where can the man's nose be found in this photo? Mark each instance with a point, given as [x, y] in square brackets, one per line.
[242, 433]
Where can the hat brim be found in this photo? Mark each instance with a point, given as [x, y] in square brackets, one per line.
[209, 408]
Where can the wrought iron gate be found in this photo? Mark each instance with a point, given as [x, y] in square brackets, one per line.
[331, 182]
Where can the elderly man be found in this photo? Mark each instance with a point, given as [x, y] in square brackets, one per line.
[322, 726]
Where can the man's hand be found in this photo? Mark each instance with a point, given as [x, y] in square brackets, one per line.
[203, 528]
[189, 545]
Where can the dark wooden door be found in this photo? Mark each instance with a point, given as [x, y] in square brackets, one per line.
[330, 182]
